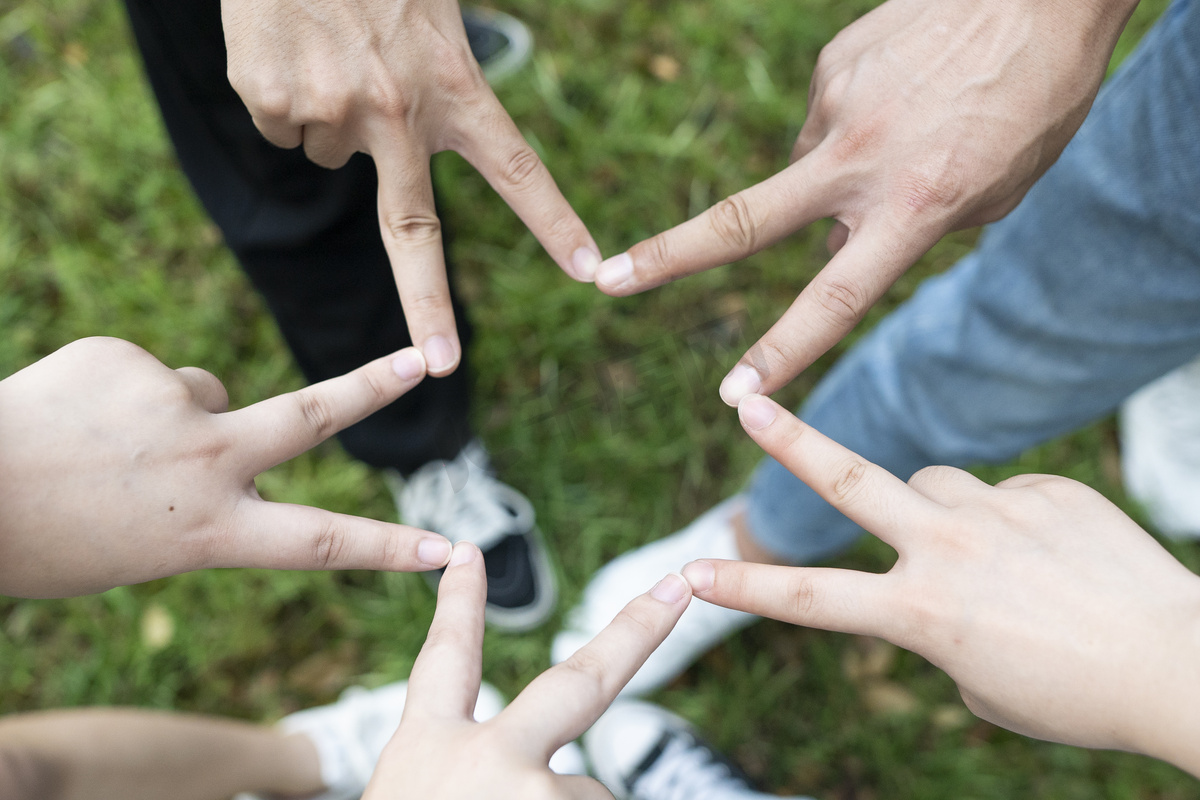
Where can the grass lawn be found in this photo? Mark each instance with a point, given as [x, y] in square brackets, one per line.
[604, 411]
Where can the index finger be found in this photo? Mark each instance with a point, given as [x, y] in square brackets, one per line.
[445, 677]
[412, 236]
[833, 302]
[816, 597]
[868, 494]
[736, 227]
[275, 430]
[564, 701]
[496, 148]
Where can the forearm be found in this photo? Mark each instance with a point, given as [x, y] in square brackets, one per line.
[126, 754]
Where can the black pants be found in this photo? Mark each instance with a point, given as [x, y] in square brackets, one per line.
[307, 237]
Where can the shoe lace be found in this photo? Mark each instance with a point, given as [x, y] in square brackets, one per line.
[686, 769]
[463, 501]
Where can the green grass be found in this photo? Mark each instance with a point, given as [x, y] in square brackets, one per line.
[604, 411]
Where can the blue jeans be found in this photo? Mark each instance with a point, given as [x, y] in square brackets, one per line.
[1087, 291]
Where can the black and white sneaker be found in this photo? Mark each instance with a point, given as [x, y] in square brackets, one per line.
[643, 752]
[462, 500]
[500, 43]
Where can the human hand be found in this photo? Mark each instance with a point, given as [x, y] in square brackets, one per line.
[923, 117]
[1055, 614]
[439, 751]
[396, 79]
[115, 469]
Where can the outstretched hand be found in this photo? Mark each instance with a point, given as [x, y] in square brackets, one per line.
[1055, 614]
[115, 469]
[923, 117]
[396, 79]
[439, 751]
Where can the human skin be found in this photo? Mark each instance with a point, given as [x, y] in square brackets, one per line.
[1056, 615]
[923, 117]
[116, 469]
[135, 754]
[396, 79]
[440, 751]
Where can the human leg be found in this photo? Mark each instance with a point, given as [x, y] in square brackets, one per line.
[1088, 290]
[307, 237]
[309, 240]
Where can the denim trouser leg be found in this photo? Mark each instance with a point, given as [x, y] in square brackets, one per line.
[1087, 291]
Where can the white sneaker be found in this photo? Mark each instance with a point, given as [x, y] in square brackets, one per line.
[500, 43]
[1160, 451]
[702, 626]
[462, 500]
[349, 735]
[643, 752]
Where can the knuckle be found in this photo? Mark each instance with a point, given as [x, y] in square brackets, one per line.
[768, 354]
[273, 100]
[102, 346]
[175, 393]
[655, 253]
[561, 225]
[427, 304]
[377, 392]
[800, 597]
[384, 95]
[830, 92]
[842, 299]
[641, 621]
[316, 413]
[328, 544]
[856, 142]
[1058, 489]
[458, 73]
[330, 105]
[933, 477]
[850, 480]
[938, 186]
[1052, 488]
[520, 167]
[389, 550]
[413, 229]
[734, 222]
[589, 669]
[460, 77]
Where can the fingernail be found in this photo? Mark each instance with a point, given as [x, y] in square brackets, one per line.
[670, 590]
[439, 353]
[409, 364]
[741, 381]
[464, 553]
[615, 271]
[586, 261]
[434, 552]
[700, 574]
[756, 412]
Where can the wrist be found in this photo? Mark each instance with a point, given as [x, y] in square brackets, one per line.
[1168, 724]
